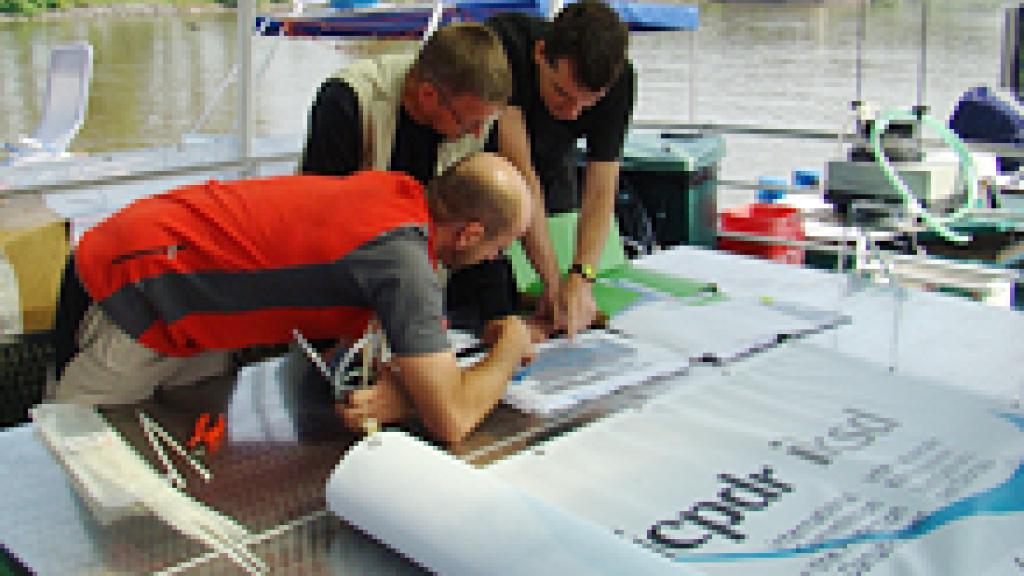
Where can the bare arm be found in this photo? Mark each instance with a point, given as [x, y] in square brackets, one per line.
[514, 144]
[449, 401]
[597, 205]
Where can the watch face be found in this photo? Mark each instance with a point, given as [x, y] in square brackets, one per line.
[586, 271]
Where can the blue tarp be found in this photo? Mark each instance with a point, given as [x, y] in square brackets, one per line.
[411, 20]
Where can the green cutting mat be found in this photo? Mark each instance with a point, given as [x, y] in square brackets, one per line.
[613, 291]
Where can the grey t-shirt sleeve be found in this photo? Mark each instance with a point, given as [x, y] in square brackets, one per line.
[399, 283]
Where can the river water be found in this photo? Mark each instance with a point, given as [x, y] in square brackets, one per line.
[782, 64]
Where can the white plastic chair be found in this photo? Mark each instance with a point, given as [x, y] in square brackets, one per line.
[67, 95]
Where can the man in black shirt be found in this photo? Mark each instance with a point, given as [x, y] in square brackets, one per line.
[571, 80]
[410, 114]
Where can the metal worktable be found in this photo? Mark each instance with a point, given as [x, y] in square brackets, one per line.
[284, 439]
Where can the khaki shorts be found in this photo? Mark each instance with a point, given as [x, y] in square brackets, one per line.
[112, 368]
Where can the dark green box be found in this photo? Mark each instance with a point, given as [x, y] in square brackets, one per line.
[25, 362]
[675, 177]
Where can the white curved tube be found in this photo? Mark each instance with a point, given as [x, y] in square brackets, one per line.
[968, 172]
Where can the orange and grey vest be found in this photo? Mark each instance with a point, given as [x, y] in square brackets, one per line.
[226, 265]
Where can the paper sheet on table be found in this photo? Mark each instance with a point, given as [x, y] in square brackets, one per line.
[260, 390]
[565, 373]
[723, 330]
[455, 519]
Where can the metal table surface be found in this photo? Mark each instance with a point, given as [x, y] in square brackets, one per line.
[283, 441]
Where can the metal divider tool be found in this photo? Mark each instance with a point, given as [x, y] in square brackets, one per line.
[372, 344]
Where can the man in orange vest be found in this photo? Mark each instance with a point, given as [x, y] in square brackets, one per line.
[176, 281]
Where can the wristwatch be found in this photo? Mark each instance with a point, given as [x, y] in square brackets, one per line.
[585, 271]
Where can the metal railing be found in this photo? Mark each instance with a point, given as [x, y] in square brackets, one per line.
[141, 175]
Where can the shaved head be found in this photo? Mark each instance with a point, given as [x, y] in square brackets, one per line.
[484, 188]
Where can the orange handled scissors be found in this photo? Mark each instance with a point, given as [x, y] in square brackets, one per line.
[207, 436]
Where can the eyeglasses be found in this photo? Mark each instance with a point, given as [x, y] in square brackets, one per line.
[462, 124]
[445, 99]
[576, 98]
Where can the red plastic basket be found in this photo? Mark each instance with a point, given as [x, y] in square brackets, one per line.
[767, 220]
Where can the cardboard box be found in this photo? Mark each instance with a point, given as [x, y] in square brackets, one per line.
[34, 242]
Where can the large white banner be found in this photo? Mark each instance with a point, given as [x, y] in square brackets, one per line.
[799, 461]
[454, 519]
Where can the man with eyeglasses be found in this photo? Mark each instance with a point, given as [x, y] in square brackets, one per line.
[572, 80]
[416, 114]
[410, 113]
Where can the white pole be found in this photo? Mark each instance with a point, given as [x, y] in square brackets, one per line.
[435, 20]
[244, 14]
[692, 84]
[554, 7]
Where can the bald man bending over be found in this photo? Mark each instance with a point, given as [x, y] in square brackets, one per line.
[174, 282]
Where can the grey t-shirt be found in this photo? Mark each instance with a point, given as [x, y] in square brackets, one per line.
[392, 275]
